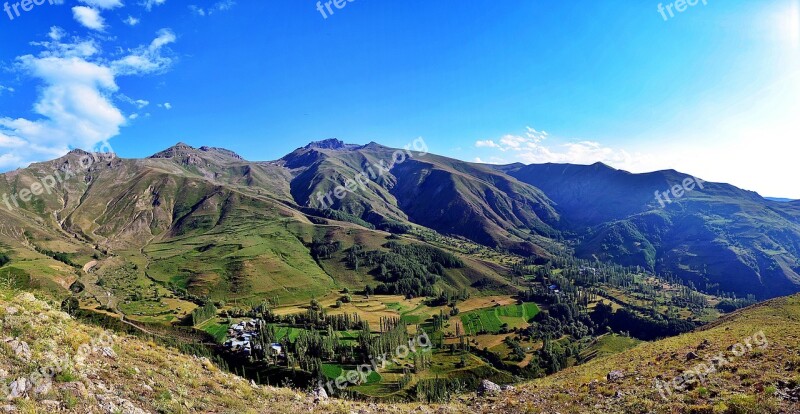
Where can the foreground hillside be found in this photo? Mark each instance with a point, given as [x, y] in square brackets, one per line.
[765, 378]
[86, 370]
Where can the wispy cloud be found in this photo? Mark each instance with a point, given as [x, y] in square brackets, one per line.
[149, 4]
[532, 147]
[103, 4]
[131, 21]
[147, 59]
[219, 6]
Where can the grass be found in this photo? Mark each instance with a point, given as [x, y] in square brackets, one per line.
[493, 320]
[736, 388]
[215, 328]
[241, 261]
[608, 345]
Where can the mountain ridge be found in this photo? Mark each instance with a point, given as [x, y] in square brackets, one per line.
[720, 238]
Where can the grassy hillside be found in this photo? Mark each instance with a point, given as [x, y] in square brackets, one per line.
[750, 383]
[91, 370]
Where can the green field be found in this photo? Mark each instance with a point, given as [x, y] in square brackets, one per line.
[333, 371]
[286, 331]
[492, 320]
[215, 328]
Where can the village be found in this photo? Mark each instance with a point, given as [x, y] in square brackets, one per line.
[243, 339]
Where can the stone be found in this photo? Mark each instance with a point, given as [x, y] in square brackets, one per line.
[615, 376]
[44, 387]
[76, 389]
[487, 387]
[19, 389]
[20, 348]
[319, 394]
[112, 404]
[108, 352]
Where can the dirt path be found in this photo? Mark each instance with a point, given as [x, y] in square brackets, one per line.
[89, 266]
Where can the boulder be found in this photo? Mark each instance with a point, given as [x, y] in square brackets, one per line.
[319, 394]
[20, 348]
[488, 388]
[19, 389]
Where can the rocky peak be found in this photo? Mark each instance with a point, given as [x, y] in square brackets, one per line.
[330, 144]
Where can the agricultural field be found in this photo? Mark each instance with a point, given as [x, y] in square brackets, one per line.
[218, 328]
[496, 319]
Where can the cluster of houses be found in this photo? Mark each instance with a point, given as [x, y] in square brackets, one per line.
[242, 335]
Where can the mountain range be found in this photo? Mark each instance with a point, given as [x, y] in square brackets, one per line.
[209, 220]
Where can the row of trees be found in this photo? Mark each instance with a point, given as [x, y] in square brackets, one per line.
[203, 313]
[410, 270]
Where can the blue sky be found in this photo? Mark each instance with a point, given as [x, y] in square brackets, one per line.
[712, 91]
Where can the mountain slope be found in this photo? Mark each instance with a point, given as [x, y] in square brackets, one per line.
[200, 221]
[450, 196]
[717, 236]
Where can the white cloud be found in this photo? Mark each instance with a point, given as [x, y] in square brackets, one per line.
[103, 4]
[149, 4]
[89, 17]
[530, 148]
[486, 144]
[131, 21]
[56, 33]
[165, 105]
[6, 89]
[197, 10]
[223, 5]
[75, 107]
[138, 103]
[146, 59]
